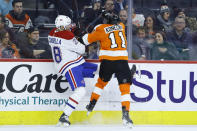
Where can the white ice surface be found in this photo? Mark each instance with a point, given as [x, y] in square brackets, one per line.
[99, 128]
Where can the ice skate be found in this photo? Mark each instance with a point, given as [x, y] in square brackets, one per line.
[90, 106]
[64, 121]
[126, 119]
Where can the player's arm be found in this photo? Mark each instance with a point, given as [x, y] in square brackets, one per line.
[92, 37]
[78, 47]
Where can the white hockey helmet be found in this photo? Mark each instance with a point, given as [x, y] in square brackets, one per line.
[62, 20]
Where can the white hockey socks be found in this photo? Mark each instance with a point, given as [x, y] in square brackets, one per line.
[73, 100]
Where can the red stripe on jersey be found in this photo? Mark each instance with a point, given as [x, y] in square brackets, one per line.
[73, 100]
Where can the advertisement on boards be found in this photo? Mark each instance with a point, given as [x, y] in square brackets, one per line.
[35, 86]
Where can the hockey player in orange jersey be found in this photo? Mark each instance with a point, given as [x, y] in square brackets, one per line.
[114, 60]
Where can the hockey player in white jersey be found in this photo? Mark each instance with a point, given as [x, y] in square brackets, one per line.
[67, 55]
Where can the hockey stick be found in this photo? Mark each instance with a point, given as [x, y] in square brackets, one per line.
[93, 22]
[64, 4]
[77, 13]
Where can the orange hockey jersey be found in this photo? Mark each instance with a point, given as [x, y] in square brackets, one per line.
[113, 43]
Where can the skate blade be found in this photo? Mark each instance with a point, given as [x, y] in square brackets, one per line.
[62, 124]
[88, 113]
[59, 124]
[128, 125]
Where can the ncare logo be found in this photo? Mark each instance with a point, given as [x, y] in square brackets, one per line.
[161, 81]
[34, 86]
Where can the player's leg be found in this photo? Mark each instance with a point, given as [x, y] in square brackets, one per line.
[125, 102]
[76, 81]
[105, 75]
[98, 90]
[71, 105]
[124, 79]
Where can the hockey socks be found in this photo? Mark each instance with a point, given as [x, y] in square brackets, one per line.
[98, 90]
[73, 100]
[125, 95]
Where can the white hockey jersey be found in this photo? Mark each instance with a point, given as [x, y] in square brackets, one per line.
[66, 50]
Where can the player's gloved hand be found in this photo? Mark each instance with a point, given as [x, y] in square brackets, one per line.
[77, 32]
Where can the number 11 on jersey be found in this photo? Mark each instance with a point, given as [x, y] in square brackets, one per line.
[113, 40]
